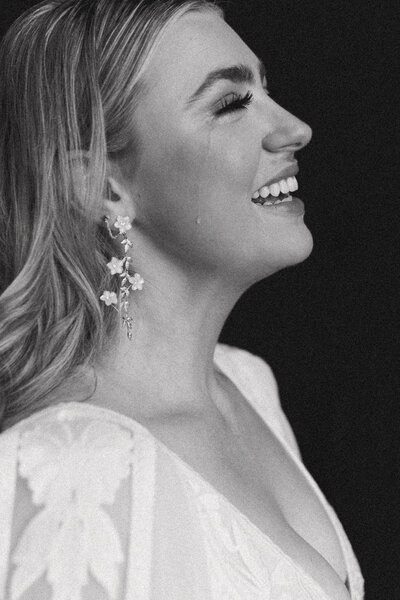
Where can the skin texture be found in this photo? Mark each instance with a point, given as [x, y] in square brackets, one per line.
[196, 166]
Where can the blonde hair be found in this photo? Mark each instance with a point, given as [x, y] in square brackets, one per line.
[72, 74]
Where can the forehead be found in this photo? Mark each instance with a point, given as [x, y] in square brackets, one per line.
[190, 48]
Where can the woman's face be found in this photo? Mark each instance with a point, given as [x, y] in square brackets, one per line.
[199, 165]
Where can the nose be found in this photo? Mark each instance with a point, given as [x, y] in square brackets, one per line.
[285, 132]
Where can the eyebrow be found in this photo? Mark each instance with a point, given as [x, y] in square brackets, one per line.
[236, 73]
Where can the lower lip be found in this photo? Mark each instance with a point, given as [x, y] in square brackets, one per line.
[294, 207]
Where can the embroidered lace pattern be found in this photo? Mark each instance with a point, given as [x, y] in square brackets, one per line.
[241, 565]
[71, 478]
[74, 458]
[231, 359]
[8, 474]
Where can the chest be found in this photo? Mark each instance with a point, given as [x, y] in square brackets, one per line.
[256, 475]
[268, 487]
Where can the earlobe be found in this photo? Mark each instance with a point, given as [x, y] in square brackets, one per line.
[118, 200]
[116, 197]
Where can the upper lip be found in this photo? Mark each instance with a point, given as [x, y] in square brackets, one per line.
[290, 171]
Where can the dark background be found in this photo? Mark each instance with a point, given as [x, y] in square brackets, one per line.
[329, 327]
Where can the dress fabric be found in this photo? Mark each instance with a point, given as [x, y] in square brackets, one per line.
[94, 507]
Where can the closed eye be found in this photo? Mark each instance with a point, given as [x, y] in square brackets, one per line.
[238, 103]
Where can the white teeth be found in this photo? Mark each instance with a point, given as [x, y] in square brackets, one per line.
[284, 185]
[292, 183]
[275, 189]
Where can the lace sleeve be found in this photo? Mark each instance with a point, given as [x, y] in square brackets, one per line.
[70, 534]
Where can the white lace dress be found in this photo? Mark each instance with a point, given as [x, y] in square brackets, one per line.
[93, 507]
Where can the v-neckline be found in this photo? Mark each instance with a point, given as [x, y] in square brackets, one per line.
[233, 375]
[242, 516]
[195, 474]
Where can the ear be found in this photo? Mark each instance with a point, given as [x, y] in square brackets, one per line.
[117, 197]
[119, 200]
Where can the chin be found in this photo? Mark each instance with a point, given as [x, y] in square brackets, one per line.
[299, 247]
[291, 251]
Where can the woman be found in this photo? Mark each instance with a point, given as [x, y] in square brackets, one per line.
[146, 180]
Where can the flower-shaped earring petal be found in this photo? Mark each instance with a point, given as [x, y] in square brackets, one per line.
[116, 266]
[123, 224]
[120, 267]
[109, 298]
[137, 281]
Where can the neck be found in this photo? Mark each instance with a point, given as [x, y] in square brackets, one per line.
[168, 367]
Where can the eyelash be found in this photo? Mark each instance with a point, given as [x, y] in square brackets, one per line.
[239, 103]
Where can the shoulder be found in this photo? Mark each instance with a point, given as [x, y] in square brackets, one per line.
[65, 443]
[66, 482]
[256, 380]
[248, 367]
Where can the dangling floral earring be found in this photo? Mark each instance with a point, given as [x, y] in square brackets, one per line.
[121, 268]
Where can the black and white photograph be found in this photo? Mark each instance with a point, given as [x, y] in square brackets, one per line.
[199, 300]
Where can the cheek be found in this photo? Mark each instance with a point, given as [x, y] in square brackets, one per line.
[233, 160]
[191, 176]
[173, 178]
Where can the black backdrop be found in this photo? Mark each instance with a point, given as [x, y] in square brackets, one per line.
[330, 326]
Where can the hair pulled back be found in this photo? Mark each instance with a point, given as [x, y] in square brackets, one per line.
[72, 74]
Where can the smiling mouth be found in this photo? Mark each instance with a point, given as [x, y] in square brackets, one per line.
[270, 201]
